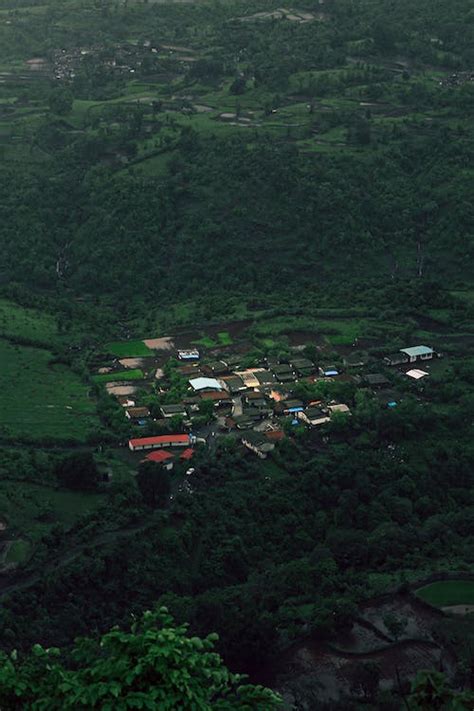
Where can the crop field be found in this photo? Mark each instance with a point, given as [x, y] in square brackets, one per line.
[448, 592]
[132, 374]
[129, 349]
[40, 399]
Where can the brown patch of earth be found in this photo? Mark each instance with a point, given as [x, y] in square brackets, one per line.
[160, 344]
[131, 362]
[117, 389]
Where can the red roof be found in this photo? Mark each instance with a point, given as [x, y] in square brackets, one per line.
[215, 395]
[187, 454]
[159, 456]
[162, 439]
[275, 435]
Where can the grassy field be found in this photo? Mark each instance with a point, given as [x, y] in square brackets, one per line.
[31, 510]
[132, 374]
[18, 322]
[448, 592]
[128, 349]
[223, 339]
[40, 399]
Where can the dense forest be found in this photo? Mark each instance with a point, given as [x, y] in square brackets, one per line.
[304, 174]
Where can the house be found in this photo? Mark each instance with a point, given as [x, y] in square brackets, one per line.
[279, 393]
[221, 398]
[396, 359]
[283, 373]
[313, 416]
[161, 457]
[376, 380]
[233, 384]
[302, 366]
[418, 353]
[255, 399]
[137, 413]
[169, 440]
[328, 371]
[125, 401]
[264, 377]
[290, 407]
[190, 370]
[339, 407]
[275, 435]
[249, 377]
[169, 411]
[215, 368]
[187, 355]
[257, 443]
[356, 360]
[187, 454]
[201, 384]
[417, 374]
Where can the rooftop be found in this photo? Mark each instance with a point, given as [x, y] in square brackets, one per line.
[417, 351]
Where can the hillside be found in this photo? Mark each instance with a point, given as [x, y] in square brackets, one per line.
[152, 149]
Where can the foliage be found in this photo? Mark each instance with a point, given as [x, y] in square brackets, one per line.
[156, 665]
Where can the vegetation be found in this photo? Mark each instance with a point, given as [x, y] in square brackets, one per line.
[256, 178]
[155, 665]
[42, 397]
[448, 592]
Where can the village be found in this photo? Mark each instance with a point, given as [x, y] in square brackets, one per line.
[178, 398]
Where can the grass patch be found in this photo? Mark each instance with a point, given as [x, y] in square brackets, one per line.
[32, 510]
[128, 349]
[40, 399]
[132, 374]
[205, 342]
[225, 339]
[18, 322]
[19, 551]
[448, 592]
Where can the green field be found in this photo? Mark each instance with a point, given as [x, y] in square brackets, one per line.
[31, 510]
[128, 349]
[19, 322]
[40, 399]
[132, 374]
[448, 592]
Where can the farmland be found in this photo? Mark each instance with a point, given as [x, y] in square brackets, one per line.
[41, 399]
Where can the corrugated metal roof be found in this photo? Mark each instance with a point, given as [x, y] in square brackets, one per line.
[202, 383]
[417, 351]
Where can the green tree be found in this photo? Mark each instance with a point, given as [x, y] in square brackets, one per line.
[78, 471]
[154, 484]
[156, 665]
[60, 101]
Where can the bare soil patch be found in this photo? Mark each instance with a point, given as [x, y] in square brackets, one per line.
[131, 362]
[120, 389]
[160, 344]
[459, 609]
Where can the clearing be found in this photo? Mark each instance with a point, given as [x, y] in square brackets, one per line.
[128, 349]
[448, 593]
[40, 398]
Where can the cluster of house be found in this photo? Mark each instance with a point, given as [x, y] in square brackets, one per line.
[254, 402]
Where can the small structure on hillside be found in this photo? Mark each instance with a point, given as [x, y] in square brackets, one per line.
[257, 443]
[169, 411]
[418, 353]
[313, 416]
[187, 355]
[161, 457]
